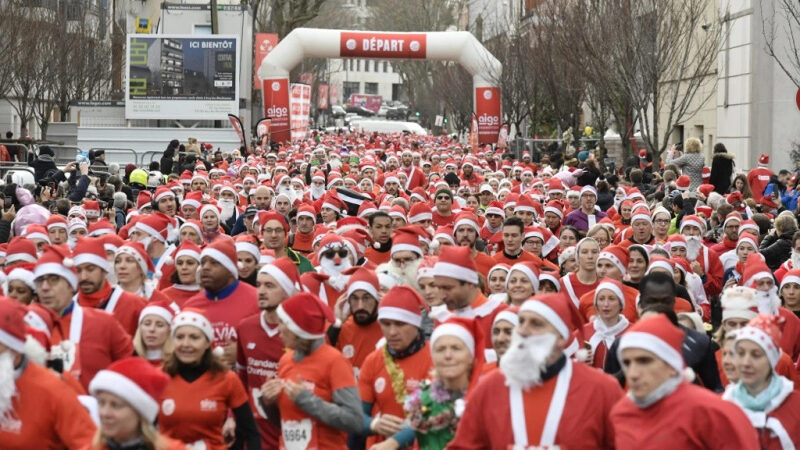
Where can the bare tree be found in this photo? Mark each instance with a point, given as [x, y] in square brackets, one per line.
[780, 25]
[283, 16]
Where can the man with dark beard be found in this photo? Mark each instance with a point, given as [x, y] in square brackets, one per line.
[704, 261]
[37, 409]
[539, 397]
[260, 347]
[356, 331]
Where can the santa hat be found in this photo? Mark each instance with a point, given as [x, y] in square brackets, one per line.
[467, 219]
[704, 210]
[676, 240]
[285, 272]
[419, 212]
[496, 208]
[739, 302]
[588, 189]
[101, 227]
[610, 285]
[403, 304]
[56, 221]
[223, 251]
[732, 217]
[36, 231]
[558, 310]
[763, 160]
[265, 216]
[209, 207]
[136, 251]
[366, 209]
[12, 325]
[365, 280]
[20, 272]
[529, 269]
[469, 332]
[792, 276]
[111, 242]
[706, 173]
[694, 221]
[657, 335]
[159, 309]
[307, 211]
[190, 249]
[157, 225]
[509, 315]
[765, 331]
[397, 212]
[144, 200]
[683, 183]
[747, 238]
[305, 315]
[661, 263]
[555, 207]
[20, 250]
[749, 226]
[193, 198]
[91, 208]
[247, 243]
[91, 250]
[525, 203]
[755, 269]
[618, 256]
[552, 277]
[405, 240]
[456, 262]
[195, 318]
[163, 192]
[135, 381]
[331, 200]
[74, 224]
[57, 260]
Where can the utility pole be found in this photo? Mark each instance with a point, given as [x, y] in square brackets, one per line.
[214, 21]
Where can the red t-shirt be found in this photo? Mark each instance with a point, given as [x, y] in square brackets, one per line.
[324, 371]
[257, 354]
[356, 342]
[196, 411]
[375, 384]
[227, 312]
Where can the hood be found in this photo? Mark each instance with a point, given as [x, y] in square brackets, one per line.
[724, 155]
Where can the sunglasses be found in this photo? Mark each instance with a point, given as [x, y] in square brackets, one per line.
[442, 197]
[330, 254]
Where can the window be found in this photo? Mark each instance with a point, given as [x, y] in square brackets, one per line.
[349, 88]
[385, 66]
[358, 65]
[202, 29]
[366, 65]
[371, 88]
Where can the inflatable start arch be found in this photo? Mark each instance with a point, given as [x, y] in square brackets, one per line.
[458, 46]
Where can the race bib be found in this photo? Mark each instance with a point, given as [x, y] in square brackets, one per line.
[298, 434]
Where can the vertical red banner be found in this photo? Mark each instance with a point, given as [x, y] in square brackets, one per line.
[488, 112]
[264, 44]
[322, 96]
[276, 107]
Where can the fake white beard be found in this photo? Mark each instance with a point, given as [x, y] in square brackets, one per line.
[408, 274]
[317, 191]
[526, 358]
[227, 207]
[335, 163]
[795, 259]
[8, 386]
[768, 301]
[336, 280]
[693, 246]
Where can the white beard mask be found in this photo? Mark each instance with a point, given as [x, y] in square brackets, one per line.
[526, 359]
[227, 208]
[336, 280]
[795, 259]
[407, 274]
[768, 301]
[693, 246]
[317, 191]
[8, 387]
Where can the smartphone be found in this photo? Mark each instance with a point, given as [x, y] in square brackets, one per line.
[8, 202]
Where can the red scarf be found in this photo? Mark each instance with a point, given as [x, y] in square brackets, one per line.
[96, 299]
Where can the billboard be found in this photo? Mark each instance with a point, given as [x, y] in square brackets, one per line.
[300, 110]
[265, 42]
[182, 77]
[276, 107]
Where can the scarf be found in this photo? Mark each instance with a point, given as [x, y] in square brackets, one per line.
[416, 345]
[136, 444]
[762, 399]
[606, 334]
[666, 388]
[96, 299]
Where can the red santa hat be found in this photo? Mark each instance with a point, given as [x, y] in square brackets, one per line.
[190, 249]
[525, 203]
[195, 318]
[397, 212]
[763, 160]
[749, 226]
[163, 192]
[558, 310]
[704, 210]
[657, 335]
[614, 286]
[21, 272]
[495, 207]
[91, 250]
[159, 309]
[111, 242]
[556, 207]
[364, 280]
[765, 331]
[747, 238]
[732, 217]
[57, 260]
[19, 250]
[661, 263]
[469, 332]
[247, 243]
[792, 276]
[683, 182]
[56, 221]
[91, 208]
[193, 198]
[529, 269]
[456, 262]
[223, 251]
[419, 212]
[468, 219]
[136, 251]
[676, 240]
[706, 173]
[405, 240]
[331, 200]
[144, 200]
[739, 302]
[101, 227]
[694, 221]
[403, 304]
[12, 325]
[755, 269]
[509, 315]
[36, 231]
[285, 272]
[618, 256]
[307, 211]
[157, 225]
[209, 207]
[366, 209]
[305, 315]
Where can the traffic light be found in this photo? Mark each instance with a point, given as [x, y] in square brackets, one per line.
[416, 113]
[445, 120]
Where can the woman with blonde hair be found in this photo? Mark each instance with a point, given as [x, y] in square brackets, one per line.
[152, 339]
[128, 393]
[691, 163]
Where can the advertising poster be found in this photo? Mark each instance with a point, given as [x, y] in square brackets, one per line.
[264, 44]
[182, 77]
[300, 110]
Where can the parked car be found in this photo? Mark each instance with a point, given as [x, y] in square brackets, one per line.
[397, 113]
[360, 110]
[337, 111]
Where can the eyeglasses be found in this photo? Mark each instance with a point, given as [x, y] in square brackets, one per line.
[272, 230]
[443, 197]
[661, 221]
[330, 254]
[400, 262]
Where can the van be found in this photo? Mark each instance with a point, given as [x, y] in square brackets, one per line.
[389, 127]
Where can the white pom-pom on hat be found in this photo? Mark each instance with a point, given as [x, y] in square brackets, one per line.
[68, 262]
